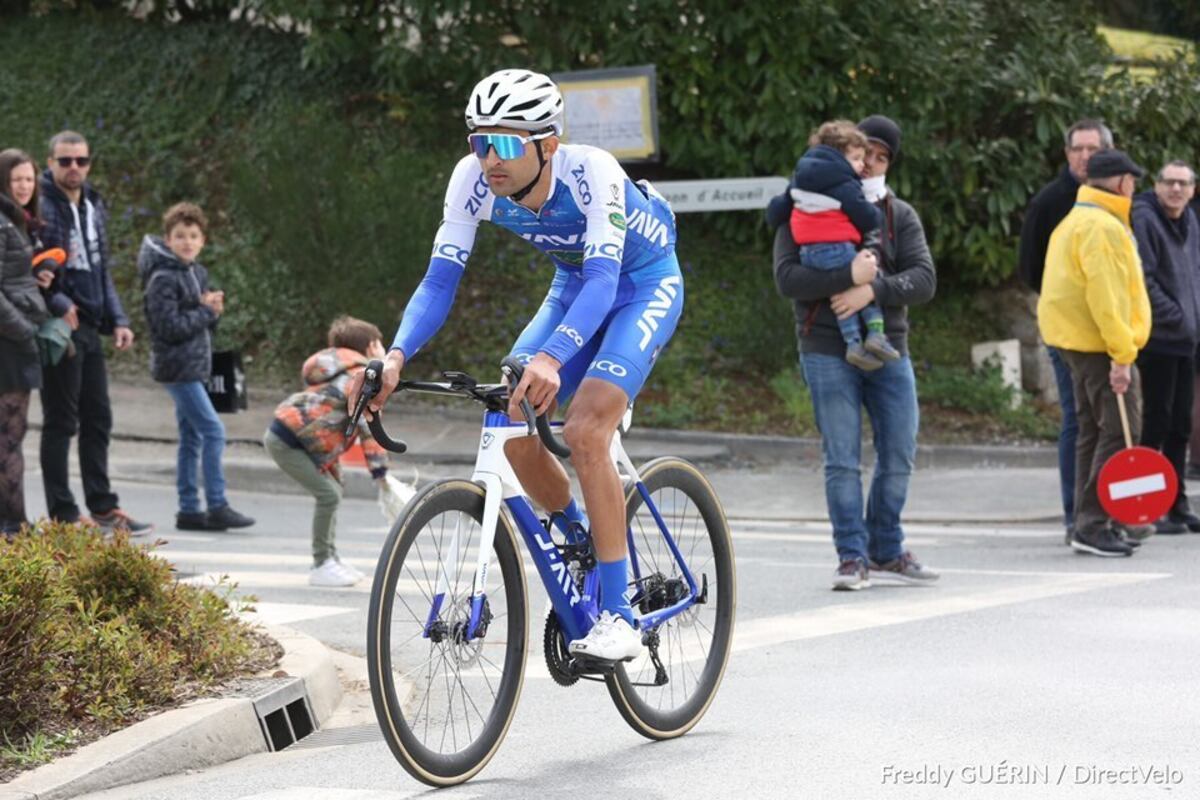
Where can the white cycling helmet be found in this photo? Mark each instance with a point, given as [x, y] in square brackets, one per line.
[516, 98]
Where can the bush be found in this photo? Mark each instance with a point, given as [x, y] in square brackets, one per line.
[95, 633]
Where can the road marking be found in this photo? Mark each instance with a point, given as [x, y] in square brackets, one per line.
[927, 528]
[930, 603]
[825, 538]
[328, 793]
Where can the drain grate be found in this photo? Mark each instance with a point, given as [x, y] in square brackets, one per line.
[282, 707]
[339, 737]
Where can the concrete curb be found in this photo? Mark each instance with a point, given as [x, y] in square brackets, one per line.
[200, 734]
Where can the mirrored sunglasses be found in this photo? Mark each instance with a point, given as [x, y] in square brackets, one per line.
[507, 145]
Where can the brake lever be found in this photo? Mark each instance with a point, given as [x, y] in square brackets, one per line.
[510, 376]
[372, 383]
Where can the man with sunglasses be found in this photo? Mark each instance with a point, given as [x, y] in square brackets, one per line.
[612, 307]
[75, 391]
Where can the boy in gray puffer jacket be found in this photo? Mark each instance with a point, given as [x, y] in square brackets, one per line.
[182, 311]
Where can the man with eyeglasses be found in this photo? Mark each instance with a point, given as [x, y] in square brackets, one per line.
[75, 391]
[1168, 240]
[612, 307]
[1048, 208]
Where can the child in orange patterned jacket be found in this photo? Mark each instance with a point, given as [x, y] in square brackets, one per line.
[308, 435]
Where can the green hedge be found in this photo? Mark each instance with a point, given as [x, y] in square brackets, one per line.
[94, 633]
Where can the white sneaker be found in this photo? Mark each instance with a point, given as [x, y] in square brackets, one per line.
[331, 573]
[357, 573]
[610, 639]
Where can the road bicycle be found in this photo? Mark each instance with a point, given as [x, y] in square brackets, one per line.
[449, 612]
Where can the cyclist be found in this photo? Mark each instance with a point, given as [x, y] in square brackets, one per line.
[613, 305]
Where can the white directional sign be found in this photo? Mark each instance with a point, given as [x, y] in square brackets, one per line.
[721, 194]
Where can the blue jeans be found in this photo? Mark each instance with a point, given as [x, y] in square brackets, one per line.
[829, 256]
[201, 440]
[839, 392]
[1067, 436]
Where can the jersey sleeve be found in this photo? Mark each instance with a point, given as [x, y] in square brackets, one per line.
[598, 186]
[468, 201]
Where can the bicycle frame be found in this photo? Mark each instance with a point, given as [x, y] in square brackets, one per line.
[577, 611]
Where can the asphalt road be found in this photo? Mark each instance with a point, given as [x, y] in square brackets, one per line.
[1027, 672]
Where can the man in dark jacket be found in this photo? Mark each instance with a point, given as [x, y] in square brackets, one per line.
[870, 541]
[75, 391]
[1045, 211]
[1168, 239]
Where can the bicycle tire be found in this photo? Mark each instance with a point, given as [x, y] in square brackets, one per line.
[637, 704]
[403, 564]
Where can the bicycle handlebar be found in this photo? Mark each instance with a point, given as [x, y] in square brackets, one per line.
[513, 369]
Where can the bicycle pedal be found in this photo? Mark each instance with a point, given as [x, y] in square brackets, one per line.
[588, 665]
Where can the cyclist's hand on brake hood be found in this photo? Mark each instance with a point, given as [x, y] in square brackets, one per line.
[392, 366]
[539, 383]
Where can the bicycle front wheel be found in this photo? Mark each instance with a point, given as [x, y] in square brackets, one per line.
[444, 700]
[694, 645]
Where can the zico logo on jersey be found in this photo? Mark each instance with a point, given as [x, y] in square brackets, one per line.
[452, 252]
[479, 193]
[644, 223]
[664, 295]
[612, 368]
[585, 191]
[571, 333]
[606, 250]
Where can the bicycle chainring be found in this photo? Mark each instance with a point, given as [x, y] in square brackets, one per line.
[557, 657]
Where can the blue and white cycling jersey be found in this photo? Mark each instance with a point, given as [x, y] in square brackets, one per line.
[597, 225]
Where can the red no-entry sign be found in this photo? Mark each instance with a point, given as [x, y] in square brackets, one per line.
[1137, 485]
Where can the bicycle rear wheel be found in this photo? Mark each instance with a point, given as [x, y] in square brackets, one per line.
[444, 702]
[693, 645]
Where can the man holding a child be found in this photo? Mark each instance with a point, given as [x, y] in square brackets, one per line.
[898, 272]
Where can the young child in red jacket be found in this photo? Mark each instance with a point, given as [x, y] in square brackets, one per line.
[832, 218]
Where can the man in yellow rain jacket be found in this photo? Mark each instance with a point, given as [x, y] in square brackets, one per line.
[1095, 310]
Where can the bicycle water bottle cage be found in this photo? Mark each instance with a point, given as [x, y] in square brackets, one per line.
[577, 551]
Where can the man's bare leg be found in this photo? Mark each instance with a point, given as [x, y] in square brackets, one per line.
[592, 420]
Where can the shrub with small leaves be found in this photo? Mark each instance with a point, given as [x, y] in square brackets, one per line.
[97, 631]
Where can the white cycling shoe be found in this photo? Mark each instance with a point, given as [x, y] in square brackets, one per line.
[610, 639]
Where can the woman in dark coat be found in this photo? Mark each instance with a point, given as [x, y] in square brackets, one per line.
[22, 311]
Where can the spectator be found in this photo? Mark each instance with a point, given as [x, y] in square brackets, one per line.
[830, 218]
[1168, 240]
[871, 544]
[1047, 208]
[23, 190]
[308, 435]
[75, 391]
[182, 312]
[22, 311]
[1095, 310]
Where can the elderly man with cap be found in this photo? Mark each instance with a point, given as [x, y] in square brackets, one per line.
[870, 540]
[1047, 208]
[1094, 309]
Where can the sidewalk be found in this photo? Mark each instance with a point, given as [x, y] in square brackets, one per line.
[756, 476]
